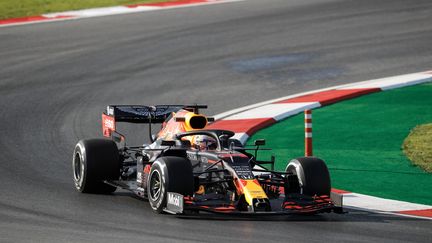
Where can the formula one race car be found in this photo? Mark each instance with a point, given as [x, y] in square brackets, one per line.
[189, 169]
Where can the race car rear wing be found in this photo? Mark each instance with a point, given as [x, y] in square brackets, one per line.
[140, 114]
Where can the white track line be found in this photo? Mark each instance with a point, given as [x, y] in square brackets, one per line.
[107, 11]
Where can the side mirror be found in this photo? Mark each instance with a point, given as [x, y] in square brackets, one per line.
[259, 142]
[168, 143]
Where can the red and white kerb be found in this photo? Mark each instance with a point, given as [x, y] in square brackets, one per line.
[308, 132]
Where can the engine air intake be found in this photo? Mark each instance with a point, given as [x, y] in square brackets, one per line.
[197, 122]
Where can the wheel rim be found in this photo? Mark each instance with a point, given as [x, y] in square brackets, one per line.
[155, 185]
[77, 167]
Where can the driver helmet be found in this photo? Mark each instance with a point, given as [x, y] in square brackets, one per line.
[204, 142]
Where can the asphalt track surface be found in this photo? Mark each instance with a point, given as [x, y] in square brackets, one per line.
[56, 78]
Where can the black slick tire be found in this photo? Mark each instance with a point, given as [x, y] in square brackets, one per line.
[169, 174]
[313, 175]
[94, 161]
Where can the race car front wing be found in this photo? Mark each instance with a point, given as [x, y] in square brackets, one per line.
[285, 205]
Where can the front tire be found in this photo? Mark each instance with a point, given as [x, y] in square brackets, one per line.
[313, 175]
[94, 161]
[169, 174]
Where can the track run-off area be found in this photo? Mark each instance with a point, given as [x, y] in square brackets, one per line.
[372, 162]
[363, 146]
[56, 78]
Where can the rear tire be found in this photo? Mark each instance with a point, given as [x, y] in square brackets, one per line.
[313, 175]
[94, 161]
[169, 174]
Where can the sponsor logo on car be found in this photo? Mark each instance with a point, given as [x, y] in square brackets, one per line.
[109, 123]
[174, 202]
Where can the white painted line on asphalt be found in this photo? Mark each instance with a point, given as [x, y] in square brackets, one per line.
[96, 12]
[242, 137]
[105, 11]
[357, 200]
[393, 82]
[426, 77]
[275, 111]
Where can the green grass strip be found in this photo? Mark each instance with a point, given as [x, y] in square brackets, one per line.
[23, 8]
[361, 139]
